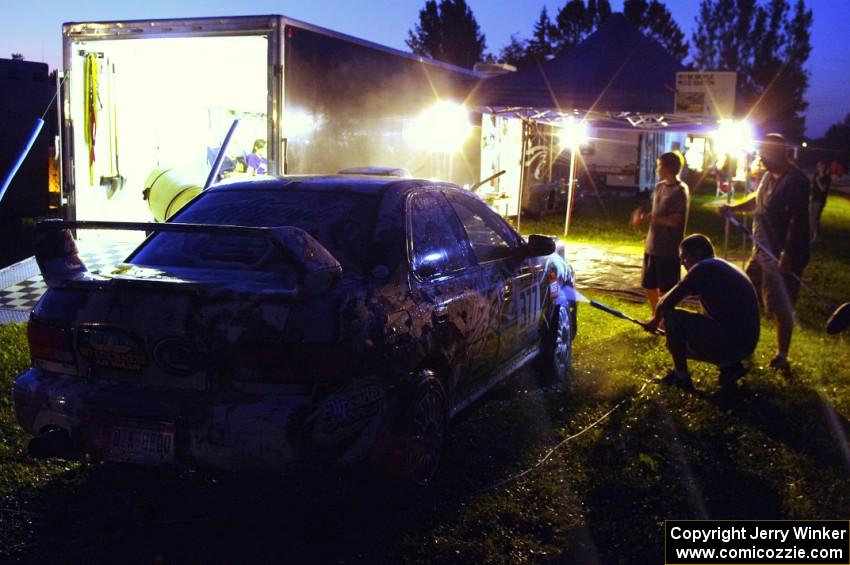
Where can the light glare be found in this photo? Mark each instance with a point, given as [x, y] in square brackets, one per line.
[573, 133]
[442, 127]
[734, 137]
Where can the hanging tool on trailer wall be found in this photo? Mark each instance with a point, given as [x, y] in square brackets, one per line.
[91, 106]
[114, 182]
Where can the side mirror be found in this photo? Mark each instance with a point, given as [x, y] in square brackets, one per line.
[539, 245]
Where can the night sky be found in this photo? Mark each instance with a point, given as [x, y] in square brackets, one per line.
[33, 28]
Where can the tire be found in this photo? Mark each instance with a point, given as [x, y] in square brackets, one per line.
[556, 346]
[424, 426]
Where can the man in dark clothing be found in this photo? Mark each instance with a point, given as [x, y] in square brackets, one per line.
[781, 224]
[726, 333]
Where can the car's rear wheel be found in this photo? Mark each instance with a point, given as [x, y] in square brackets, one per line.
[556, 346]
[424, 426]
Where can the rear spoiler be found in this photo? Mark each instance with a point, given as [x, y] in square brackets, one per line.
[60, 263]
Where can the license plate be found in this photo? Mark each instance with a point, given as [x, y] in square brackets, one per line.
[151, 443]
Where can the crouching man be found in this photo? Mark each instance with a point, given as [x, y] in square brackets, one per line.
[726, 333]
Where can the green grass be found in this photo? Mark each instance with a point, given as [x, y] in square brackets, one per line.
[770, 452]
[17, 471]
[776, 450]
[14, 357]
[607, 221]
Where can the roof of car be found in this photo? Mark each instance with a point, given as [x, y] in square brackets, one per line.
[358, 184]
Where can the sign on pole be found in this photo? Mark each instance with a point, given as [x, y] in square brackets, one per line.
[705, 93]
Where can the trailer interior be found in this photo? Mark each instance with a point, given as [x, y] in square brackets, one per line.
[157, 104]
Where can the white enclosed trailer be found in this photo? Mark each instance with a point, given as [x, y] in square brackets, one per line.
[143, 96]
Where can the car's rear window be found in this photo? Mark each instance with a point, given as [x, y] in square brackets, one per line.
[343, 223]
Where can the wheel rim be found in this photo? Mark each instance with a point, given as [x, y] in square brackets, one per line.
[562, 342]
[429, 428]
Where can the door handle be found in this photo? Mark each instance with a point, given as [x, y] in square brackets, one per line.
[508, 289]
[441, 314]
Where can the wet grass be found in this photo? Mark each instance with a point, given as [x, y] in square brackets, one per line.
[606, 220]
[776, 449]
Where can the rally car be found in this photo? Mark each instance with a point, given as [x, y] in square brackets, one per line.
[283, 323]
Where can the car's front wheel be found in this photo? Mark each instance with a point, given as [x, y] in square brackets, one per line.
[556, 346]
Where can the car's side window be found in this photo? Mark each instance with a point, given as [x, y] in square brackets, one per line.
[438, 246]
[489, 235]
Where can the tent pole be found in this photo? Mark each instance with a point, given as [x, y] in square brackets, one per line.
[570, 190]
[521, 175]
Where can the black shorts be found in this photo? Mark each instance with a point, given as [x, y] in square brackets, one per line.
[660, 272]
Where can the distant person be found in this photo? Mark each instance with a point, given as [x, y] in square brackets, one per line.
[781, 224]
[667, 219]
[724, 173]
[837, 171]
[727, 331]
[820, 190]
[256, 163]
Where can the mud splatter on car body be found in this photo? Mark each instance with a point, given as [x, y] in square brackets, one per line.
[286, 324]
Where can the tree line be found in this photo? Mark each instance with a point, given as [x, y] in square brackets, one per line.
[767, 42]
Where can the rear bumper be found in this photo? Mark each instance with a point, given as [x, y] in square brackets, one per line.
[228, 430]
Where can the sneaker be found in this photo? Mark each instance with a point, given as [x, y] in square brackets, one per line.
[729, 375]
[780, 364]
[672, 378]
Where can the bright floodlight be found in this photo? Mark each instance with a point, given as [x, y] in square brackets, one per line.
[573, 133]
[442, 127]
[734, 137]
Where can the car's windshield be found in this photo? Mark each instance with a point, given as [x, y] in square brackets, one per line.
[342, 222]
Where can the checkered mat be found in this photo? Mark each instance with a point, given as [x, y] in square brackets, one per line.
[23, 285]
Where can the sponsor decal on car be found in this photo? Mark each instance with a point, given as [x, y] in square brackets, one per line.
[346, 412]
[177, 356]
[107, 347]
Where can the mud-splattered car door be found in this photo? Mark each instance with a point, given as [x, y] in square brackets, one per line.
[446, 284]
[496, 248]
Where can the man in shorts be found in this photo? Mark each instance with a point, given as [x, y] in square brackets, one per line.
[667, 221]
[781, 226]
[727, 331]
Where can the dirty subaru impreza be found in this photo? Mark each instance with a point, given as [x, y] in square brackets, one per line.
[292, 322]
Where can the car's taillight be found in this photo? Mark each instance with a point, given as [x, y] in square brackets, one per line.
[276, 363]
[50, 343]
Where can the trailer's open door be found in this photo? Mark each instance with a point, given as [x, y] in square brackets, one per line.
[142, 105]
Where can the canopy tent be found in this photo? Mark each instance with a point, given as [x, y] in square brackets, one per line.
[616, 75]
[616, 78]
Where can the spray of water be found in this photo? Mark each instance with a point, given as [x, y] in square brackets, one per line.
[573, 294]
[837, 429]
